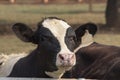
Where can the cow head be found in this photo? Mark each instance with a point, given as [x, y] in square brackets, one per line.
[85, 34]
[55, 40]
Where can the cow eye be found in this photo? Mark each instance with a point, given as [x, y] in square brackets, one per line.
[71, 38]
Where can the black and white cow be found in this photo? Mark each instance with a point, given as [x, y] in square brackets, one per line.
[94, 60]
[54, 55]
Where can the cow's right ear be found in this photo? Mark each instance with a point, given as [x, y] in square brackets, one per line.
[90, 27]
[23, 32]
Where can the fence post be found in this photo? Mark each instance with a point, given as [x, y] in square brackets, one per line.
[12, 1]
[45, 1]
[80, 1]
[90, 3]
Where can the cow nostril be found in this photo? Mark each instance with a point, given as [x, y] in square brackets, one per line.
[61, 56]
[72, 56]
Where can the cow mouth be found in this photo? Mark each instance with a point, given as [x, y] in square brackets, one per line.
[65, 67]
[58, 73]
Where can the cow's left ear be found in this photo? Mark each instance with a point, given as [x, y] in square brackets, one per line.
[23, 32]
[90, 27]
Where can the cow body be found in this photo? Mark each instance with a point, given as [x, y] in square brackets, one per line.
[94, 60]
[97, 61]
[55, 41]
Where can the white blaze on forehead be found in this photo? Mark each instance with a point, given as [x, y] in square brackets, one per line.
[58, 29]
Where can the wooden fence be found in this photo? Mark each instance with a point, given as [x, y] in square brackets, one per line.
[48, 1]
[6, 78]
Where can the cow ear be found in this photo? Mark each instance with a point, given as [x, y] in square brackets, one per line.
[90, 27]
[23, 32]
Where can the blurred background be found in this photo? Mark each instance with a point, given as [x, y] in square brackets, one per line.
[104, 13]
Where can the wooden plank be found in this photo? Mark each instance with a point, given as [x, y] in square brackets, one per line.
[6, 78]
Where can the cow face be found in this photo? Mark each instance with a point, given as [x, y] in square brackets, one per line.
[55, 40]
[85, 34]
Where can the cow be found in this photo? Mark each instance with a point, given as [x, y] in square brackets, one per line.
[55, 40]
[94, 60]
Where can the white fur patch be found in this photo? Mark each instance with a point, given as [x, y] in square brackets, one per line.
[3, 58]
[8, 62]
[58, 29]
[56, 74]
[59, 73]
[86, 40]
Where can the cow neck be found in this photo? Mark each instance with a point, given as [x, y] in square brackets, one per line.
[35, 58]
[86, 40]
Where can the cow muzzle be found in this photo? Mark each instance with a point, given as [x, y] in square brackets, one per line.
[66, 59]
